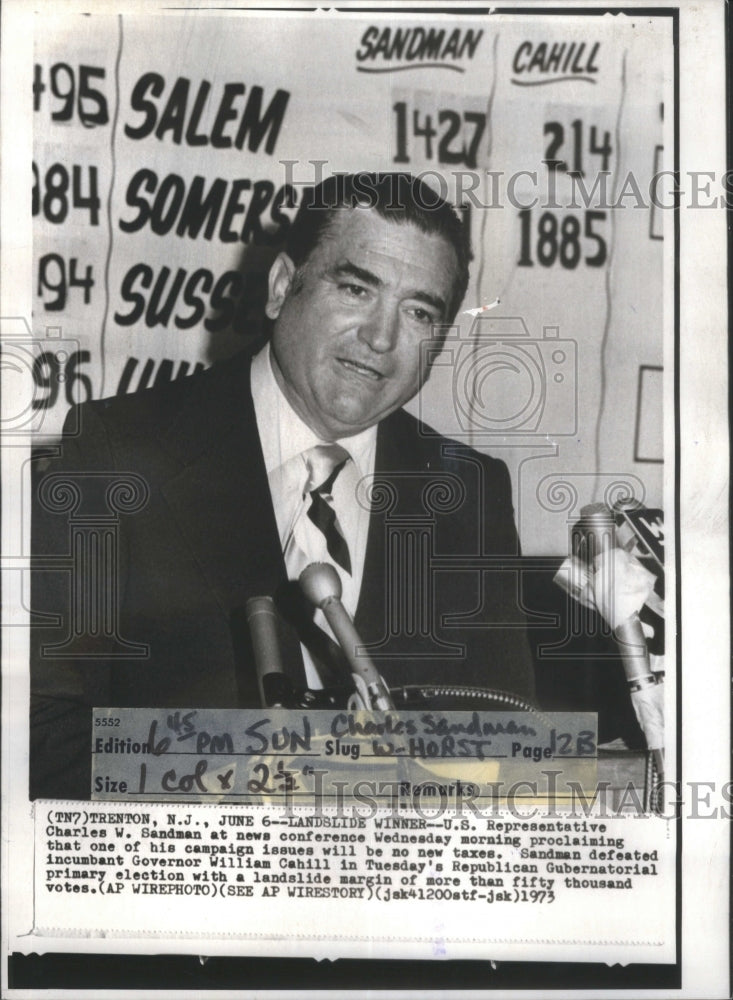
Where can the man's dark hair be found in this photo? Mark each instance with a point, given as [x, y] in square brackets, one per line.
[397, 197]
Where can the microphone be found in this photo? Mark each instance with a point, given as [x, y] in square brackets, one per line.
[272, 680]
[631, 641]
[616, 586]
[594, 536]
[322, 586]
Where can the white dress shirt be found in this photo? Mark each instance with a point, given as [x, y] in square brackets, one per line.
[284, 438]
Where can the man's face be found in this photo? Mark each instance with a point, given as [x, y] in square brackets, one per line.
[346, 342]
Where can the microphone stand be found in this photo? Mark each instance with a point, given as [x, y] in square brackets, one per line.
[322, 586]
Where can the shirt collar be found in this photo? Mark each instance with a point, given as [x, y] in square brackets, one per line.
[287, 435]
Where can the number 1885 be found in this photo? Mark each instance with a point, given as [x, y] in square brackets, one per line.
[558, 239]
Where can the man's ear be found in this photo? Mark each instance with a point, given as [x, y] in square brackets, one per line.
[279, 281]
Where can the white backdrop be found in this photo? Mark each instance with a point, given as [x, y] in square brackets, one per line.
[170, 153]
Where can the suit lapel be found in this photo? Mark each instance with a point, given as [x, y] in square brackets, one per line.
[397, 454]
[220, 498]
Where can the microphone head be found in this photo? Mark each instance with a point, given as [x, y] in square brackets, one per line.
[320, 582]
[596, 513]
[258, 606]
[594, 533]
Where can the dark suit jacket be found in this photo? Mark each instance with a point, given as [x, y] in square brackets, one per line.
[200, 538]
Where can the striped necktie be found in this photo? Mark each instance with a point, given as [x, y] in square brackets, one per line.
[324, 462]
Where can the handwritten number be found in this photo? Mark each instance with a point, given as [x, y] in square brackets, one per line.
[259, 787]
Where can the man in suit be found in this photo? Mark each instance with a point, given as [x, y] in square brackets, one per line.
[241, 475]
